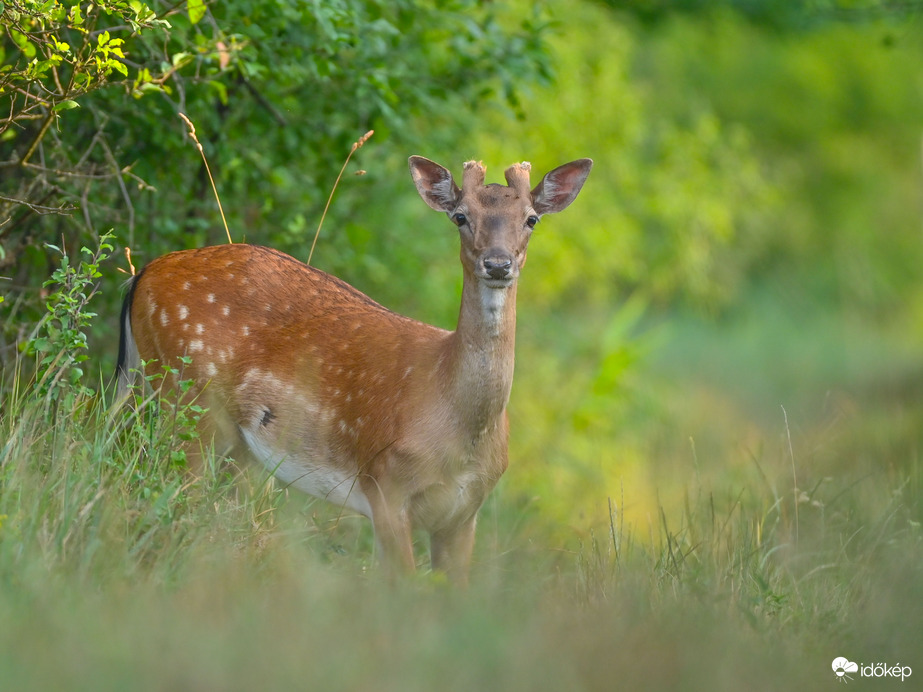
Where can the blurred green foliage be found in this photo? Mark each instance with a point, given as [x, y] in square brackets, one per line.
[757, 190]
[674, 203]
[840, 143]
[780, 15]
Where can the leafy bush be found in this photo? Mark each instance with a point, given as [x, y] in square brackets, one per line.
[278, 91]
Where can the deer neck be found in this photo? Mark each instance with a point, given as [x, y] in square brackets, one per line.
[482, 354]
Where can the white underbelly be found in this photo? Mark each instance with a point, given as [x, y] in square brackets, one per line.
[332, 484]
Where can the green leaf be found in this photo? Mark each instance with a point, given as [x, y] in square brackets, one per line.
[222, 91]
[196, 9]
[65, 106]
[41, 344]
[75, 18]
[25, 45]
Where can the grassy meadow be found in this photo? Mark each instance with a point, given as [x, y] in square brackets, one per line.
[717, 416]
[753, 548]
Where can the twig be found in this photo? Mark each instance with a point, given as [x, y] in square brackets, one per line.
[356, 145]
[39, 208]
[99, 136]
[63, 173]
[85, 206]
[30, 95]
[124, 190]
[791, 453]
[264, 102]
[207, 170]
[38, 138]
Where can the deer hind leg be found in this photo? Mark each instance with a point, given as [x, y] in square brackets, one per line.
[216, 439]
[451, 548]
[201, 419]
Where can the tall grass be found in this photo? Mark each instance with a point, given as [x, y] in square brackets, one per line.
[120, 571]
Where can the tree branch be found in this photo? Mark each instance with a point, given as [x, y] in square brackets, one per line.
[65, 208]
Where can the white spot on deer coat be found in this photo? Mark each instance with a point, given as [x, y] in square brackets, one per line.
[183, 312]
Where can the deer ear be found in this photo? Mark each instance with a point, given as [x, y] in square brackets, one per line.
[560, 187]
[434, 183]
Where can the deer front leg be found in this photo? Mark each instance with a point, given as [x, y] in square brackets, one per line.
[451, 548]
[392, 528]
[393, 541]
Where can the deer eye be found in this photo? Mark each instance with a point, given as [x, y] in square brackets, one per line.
[459, 219]
[531, 221]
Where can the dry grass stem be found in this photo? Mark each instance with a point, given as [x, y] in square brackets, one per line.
[356, 145]
[209, 171]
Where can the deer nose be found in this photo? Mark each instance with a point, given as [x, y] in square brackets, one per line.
[498, 266]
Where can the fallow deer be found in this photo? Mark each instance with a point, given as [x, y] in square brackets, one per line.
[338, 396]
